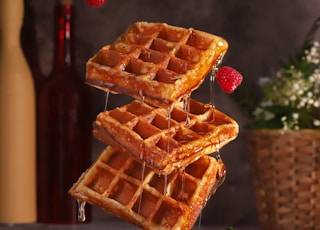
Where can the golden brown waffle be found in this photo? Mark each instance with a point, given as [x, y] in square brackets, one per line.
[124, 187]
[145, 132]
[155, 61]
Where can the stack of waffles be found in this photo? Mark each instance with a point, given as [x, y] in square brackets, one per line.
[157, 170]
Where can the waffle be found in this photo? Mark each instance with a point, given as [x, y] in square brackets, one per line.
[155, 61]
[122, 186]
[147, 134]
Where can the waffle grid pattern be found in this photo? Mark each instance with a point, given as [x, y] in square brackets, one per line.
[156, 172]
[154, 60]
[165, 145]
[145, 198]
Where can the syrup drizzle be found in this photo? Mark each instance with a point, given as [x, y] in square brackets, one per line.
[142, 96]
[169, 126]
[213, 74]
[199, 220]
[165, 192]
[142, 151]
[168, 147]
[81, 211]
[186, 108]
[106, 100]
[142, 178]
[183, 183]
[216, 154]
[211, 82]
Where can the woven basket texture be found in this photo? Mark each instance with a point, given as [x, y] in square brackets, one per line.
[286, 178]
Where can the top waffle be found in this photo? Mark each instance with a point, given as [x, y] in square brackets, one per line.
[166, 140]
[155, 62]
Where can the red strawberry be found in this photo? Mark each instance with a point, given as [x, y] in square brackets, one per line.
[96, 3]
[228, 79]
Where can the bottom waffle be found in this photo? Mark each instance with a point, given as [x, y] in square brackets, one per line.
[122, 186]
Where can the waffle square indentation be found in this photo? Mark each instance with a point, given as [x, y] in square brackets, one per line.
[183, 188]
[146, 204]
[150, 56]
[123, 191]
[100, 184]
[168, 214]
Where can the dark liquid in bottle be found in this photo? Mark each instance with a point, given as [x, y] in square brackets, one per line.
[64, 129]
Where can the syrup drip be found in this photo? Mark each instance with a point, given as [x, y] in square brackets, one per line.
[183, 184]
[142, 178]
[142, 96]
[142, 151]
[212, 79]
[165, 192]
[81, 211]
[169, 126]
[216, 154]
[168, 148]
[199, 220]
[143, 171]
[107, 99]
[222, 179]
[186, 108]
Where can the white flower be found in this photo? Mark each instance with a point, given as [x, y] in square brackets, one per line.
[266, 103]
[293, 90]
[312, 55]
[310, 101]
[295, 116]
[293, 98]
[296, 86]
[316, 123]
[300, 92]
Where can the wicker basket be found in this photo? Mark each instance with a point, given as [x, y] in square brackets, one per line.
[286, 177]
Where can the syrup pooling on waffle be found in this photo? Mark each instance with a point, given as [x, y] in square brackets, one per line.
[156, 61]
[120, 185]
[165, 146]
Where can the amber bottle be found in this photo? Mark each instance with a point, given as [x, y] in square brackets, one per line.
[17, 121]
[64, 129]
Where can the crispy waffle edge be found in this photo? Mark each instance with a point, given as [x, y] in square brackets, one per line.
[113, 134]
[162, 94]
[207, 186]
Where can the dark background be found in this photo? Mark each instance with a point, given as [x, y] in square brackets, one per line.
[260, 33]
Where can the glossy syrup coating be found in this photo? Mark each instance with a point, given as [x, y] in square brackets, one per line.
[122, 186]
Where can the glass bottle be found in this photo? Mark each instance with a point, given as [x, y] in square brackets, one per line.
[17, 121]
[30, 46]
[64, 138]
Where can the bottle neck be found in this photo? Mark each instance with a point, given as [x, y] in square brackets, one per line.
[63, 46]
[11, 17]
